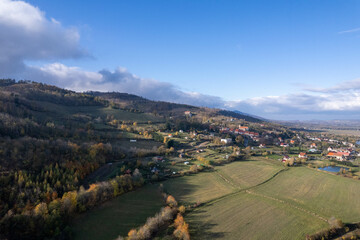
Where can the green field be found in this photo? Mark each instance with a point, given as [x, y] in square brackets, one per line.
[244, 216]
[248, 173]
[214, 156]
[118, 216]
[87, 112]
[201, 187]
[279, 204]
[327, 194]
[254, 199]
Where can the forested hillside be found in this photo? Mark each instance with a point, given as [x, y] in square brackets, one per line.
[51, 139]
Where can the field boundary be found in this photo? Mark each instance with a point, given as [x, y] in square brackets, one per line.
[248, 191]
[227, 180]
[240, 190]
[288, 204]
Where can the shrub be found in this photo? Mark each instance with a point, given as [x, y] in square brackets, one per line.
[170, 200]
[182, 209]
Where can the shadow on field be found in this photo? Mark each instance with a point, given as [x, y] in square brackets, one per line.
[180, 188]
[203, 230]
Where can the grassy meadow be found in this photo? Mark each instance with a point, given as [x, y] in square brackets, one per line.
[248, 173]
[245, 216]
[326, 194]
[254, 199]
[279, 204]
[198, 188]
[116, 217]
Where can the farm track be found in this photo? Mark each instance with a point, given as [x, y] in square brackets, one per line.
[248, 191]
[227, 180]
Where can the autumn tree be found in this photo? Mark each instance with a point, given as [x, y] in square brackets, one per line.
[170, 200]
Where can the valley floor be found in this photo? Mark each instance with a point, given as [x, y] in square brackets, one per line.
[253, 199]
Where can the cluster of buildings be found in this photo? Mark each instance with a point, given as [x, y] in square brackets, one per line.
[302, 155]
[341, 154]
[241, 130]
[329, 140]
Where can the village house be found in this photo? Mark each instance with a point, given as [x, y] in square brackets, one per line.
[188, 113]
[226, 140]
[285, 158]
[302, 155]
[341, 156]
[193, 133]
[256, 139]
[313, 145]
[243, 128]
[224, 130]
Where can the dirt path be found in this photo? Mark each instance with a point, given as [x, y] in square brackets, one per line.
[227, 180]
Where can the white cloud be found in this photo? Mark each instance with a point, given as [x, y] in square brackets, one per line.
[302, 106]
[26, 34]
[292, 106]
[350, 31]
[119, 80]
[32, 36]
[353, 85]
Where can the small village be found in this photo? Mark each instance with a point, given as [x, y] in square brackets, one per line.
[195, 155]
[228, 139]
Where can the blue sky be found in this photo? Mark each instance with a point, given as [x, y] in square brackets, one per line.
[254, 56]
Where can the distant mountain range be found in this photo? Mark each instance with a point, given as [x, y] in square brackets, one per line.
[250, 115]
[166, 108]
[38, 95]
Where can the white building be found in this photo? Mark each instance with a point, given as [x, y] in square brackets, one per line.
[226, 140]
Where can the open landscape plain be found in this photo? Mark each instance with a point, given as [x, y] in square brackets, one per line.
[179, 120]
[120, 166]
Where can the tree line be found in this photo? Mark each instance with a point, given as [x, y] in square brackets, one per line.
[49, 219]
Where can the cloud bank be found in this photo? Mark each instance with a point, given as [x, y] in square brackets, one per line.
[26, 34]
[31, 36]
[118, 80]
[301, 106]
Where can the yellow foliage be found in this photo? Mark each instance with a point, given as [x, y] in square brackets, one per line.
[182, 209]
[132, 233]
[179, 221]
[170, 200]
[41, 209]
[92, 187]
[72, 196]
